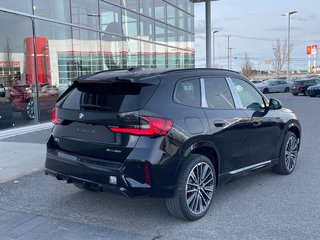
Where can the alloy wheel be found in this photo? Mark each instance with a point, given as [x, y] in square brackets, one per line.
[199, 188]
[291, 152]
[30, 109]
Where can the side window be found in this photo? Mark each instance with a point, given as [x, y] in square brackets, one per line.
[187, 92]
[249, 97]
[218, 94]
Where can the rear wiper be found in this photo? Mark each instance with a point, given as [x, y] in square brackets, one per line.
[94, 106]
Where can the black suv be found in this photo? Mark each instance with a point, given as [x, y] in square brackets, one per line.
[175, 134]
[301, 86]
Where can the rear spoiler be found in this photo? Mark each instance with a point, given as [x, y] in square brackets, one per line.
[112, 77]
[133, 75]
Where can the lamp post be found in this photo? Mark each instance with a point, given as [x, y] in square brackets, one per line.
[213, 49]
[288, 41]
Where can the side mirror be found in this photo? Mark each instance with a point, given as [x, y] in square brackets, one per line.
[275, 104]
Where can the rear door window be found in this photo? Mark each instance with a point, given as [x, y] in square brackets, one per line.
[217, 93]
[187, 92]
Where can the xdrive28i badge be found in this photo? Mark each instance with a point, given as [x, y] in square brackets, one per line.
[81, 116]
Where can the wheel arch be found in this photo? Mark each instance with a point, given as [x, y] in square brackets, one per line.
[206, 149]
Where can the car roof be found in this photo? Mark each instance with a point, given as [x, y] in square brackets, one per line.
[140, 74]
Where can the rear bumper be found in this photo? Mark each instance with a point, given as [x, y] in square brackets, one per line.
[296, 90]
[96, 173]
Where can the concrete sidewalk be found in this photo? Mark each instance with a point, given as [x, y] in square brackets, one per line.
[22, 155]
[19, 159]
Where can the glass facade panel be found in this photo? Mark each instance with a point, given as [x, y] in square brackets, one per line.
[17, 5]
[160, 10]
[58, 9]
[86, 52]
[171, 15]
[147, 8]
[148, 59]
[146, 28]
[131, 4]
[85, 13]
[130, 23]
[182, 19]
[161, 56]
[172, 36]
[112, 52]
[18, 99]
[190, 23]
[160, 33]
[58, 64]
[110, 18]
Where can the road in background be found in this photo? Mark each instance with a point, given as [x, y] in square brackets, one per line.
[263, 205]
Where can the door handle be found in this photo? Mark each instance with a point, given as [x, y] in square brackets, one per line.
[219, 123]
[256, 122]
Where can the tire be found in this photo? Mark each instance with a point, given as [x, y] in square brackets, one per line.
[28, 112]
[295, 94]
[266, 90]
[84, 187]
[286, 89]
[188, 188]
[288, 155]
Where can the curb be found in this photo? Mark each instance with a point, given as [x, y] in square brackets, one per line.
[23, 130]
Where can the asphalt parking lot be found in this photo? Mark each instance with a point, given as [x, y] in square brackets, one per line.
[260, 206]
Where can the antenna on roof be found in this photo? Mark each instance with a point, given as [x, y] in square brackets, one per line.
[135, 69]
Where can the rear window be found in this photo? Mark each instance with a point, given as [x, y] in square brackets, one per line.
[119, 97]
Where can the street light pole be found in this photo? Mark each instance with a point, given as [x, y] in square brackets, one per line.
[213, 49]
[288, 42]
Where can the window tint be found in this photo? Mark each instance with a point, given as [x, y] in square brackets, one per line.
[187, 92]
[218, 94]
[118, 97]
[249, 97]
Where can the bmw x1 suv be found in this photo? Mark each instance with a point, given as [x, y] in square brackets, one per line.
[176, 134]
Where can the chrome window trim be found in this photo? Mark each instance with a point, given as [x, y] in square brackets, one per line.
[203, 93]
[236, 98]
[258, 165]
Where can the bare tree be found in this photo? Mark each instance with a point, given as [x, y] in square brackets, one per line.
[280, 56]
[8, 62]
[246, 68]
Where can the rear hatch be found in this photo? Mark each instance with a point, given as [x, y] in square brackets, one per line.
[90, 113]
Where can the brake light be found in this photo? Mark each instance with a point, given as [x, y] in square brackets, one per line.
[149, 126]
[54, 118]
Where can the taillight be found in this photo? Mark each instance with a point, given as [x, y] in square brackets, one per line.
[149, 126]
[54, 118]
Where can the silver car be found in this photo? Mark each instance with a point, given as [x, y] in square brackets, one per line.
[274, 85]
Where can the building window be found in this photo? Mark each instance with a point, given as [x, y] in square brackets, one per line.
[58, 9]
[85, 13]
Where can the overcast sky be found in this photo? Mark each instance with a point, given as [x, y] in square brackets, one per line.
[254, 26]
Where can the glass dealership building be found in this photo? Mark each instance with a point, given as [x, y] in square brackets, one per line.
[45, 44]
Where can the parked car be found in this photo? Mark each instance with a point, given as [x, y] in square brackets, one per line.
[313, 91]
[176, 134]
[6, 117]
[22, 99]
[300, 86]
[255, 81]
[272, 86]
